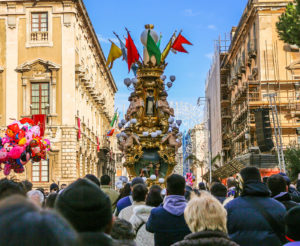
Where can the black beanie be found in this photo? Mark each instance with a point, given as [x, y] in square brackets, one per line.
[250, 173]
[85, 206]
[292, 221]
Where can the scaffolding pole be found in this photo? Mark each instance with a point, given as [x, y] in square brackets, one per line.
[277, 131]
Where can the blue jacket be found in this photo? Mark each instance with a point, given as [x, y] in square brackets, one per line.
[247, 226]
[124, 203]
[167, 228]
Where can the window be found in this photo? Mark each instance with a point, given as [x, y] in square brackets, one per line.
[40, 171]
[39, 22]
[39, 98]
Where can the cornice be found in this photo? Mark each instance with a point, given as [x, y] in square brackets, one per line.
[26, 66]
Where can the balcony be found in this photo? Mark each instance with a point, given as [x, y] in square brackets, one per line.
[39, 36]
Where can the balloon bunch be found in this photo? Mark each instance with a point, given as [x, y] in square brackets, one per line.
[22, 143]
[189, 179]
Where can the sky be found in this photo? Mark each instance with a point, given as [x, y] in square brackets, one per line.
[201, 22]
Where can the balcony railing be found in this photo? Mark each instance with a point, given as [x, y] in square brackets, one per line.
[39, 36]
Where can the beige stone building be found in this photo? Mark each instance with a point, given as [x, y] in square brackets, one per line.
[257, 63]
[51, 63]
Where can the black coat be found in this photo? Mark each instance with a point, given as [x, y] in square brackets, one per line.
[246, 225]
[95, 239]
[206, 238]
[285, 199]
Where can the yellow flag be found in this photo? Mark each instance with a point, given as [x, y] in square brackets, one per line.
[114, 53]
[168, 47]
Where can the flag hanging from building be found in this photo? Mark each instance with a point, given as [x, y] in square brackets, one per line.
[110, 132]
[114, 53]
[40, 120]
[180, 40]
[132, 53]
[114, 119]
[79, 129]
[98, 144]
[152, 48]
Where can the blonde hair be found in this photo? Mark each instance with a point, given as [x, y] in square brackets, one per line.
[205, 212]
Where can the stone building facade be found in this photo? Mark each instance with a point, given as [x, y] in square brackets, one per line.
[256, 64]
[52, 63]
[199, 150]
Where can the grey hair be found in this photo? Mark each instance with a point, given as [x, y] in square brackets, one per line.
[36, 193]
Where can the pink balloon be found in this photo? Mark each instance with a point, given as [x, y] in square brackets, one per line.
[7, 169]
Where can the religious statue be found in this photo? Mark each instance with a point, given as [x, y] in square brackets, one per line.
[163, 105]
[136, 106]
[172, 139]
[130, 140]
[157, 166]
[150, 103]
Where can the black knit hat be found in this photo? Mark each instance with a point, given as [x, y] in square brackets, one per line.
[137, 180]
[85, 206]
[54, 186]
[292, 221]
[250, 173]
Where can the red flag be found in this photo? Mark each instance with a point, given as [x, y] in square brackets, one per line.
[79, 130]
[179, 41]
[40, 120]
[132, 53]
[98, 144]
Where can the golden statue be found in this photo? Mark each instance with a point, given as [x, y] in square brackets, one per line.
[147, 141]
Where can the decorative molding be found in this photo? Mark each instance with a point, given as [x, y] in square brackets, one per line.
[1, 69]
[294, 65]
[28, 65]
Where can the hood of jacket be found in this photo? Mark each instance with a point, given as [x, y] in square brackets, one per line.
[255, 188]
[95, 238]
[282, 196]
[140, 215]
[175, 204]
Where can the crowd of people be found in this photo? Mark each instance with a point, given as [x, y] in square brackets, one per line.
[248, 210]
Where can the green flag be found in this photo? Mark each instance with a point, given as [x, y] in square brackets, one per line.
[114, 119]
[152, 49]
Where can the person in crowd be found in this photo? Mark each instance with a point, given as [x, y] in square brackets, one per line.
[50, 200]
[206, 218]
[278, 187]
[36, 196]
[88, 209]
[231, 187]
[202, 186]
[9, 187]
[187, 193]
[167, 221]
[219, 191]
[123, 233]
[106, 187]
[24, 224]
[63, 186]
[292, 222]
[141, 214]
[27, 185]
[139, 193]
[93, 178]
[265, 180]
[127, 200]
[249, 215]
[295, 195]
[125, 191]
[54, 188]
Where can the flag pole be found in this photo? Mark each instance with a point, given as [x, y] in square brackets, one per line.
[136, 49]
[167, 48]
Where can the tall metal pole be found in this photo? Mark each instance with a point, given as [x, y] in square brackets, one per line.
[279, 133]
[210, 143]
[275, 131]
